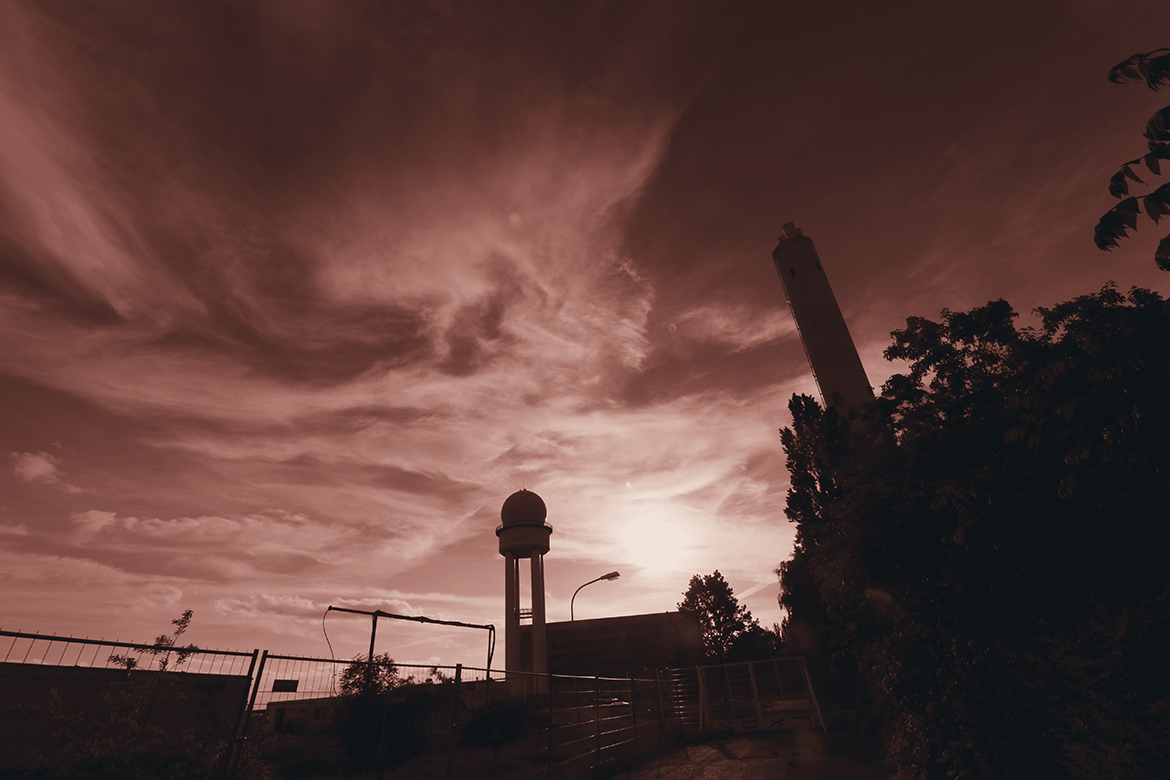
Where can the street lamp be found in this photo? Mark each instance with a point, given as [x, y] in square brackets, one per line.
[613, 575]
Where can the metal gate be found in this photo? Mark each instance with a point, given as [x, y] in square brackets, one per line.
[758, 695]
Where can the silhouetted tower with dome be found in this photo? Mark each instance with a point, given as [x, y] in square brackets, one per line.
[523, 533]
[827, 344]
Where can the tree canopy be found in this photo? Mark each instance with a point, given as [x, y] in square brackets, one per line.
[362, 677]
[729, 631]
[981, 538]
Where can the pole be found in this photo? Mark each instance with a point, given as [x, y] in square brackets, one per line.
[539, 628]
[237, 738]
[370, 670]
[451, 724]
[596, 722]
[661, 714]
[634, 711]
[548, 754]
[512, 662]
[613, 575]
[812, 694]
[251, 704]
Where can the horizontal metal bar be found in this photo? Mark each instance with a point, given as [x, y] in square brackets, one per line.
[115, 643]
[414, 618]
[615, 731]
[568, 761]
[570, 742]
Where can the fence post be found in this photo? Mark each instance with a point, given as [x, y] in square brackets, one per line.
[248, 714]
[236, 737]
[703, 704]
[756, 695]
[812, 695]
[549, 741]
[451, 725]
[634, 712]
[730, 695]
[596, 721]
[661, 714]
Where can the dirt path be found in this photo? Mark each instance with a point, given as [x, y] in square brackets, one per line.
[788, 755]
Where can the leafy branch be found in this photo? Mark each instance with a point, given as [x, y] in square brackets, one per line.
[164, 645]
[1152, 69]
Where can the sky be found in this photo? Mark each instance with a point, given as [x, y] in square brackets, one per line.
[294, 294]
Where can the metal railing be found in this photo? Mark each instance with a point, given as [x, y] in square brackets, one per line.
[769, 694]
[51, 650]
[566, 726]
[596, 722]
[560, 726]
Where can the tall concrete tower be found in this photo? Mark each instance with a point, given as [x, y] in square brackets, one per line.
[523, 533]
[827, 343]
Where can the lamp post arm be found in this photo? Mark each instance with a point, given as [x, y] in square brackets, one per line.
[578, 590]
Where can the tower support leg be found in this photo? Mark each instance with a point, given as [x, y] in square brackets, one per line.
[539, 632]
[512, 659]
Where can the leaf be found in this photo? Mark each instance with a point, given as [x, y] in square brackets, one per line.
[1118, 187]
[1157, 203]
[1127, 70]
[1153, 208]
[1114, 224]
[1157, 70]
[1158, 128]
[1107, 232]
[1151, 161]
[1162, 254]
[1128, 209]
[1153, 68]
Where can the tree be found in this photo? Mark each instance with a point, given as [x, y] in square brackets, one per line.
[729, 631]
[361, 677]
[977, 539]
[362, 717]
[164, 645]
[1152, 69]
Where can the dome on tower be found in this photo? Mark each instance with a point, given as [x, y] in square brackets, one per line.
[523, 508]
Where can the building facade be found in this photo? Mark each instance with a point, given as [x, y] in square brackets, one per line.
[621, 646]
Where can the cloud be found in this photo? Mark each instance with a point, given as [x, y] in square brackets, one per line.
[92, 522]
[40, 468]
[152, 598]
[64, 570]
[36, 467]
[267, 605]
[271, 543]
[733, 326]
